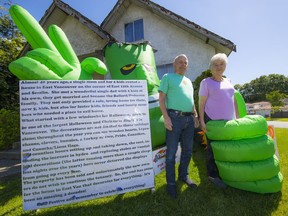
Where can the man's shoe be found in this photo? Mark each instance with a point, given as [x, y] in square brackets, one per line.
[171, 190]
[217, 182]
[189, 183]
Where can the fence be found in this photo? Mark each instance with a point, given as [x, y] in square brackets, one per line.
[280, 114]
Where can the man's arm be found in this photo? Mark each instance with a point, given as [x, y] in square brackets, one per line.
[196, 119]
[163, 108]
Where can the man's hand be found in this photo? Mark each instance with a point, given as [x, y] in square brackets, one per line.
[196, 122]
[168, 123]
[53, 57]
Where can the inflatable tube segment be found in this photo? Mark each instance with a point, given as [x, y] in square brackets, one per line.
[272, 185]
[250, 126]
[249, 171]
[240, 104]
[30, 28]
[254, 149]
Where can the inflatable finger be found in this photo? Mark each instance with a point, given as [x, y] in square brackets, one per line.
[272, 185]
[250, 126]
[92, 65]
[27, 68]
[254, 149]
[30, 28]
[52, 60]
[248, 171]
[63, 45]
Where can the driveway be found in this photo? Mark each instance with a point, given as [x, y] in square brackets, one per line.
[278, 124]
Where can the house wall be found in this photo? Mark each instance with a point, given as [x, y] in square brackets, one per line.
[82, 39]
[263, 112]
[168, 39]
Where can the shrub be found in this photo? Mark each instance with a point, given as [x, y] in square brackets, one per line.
[9, 128]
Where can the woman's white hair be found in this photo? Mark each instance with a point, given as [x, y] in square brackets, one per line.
[219, 56]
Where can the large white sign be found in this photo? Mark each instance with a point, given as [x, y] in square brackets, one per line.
[83, 139]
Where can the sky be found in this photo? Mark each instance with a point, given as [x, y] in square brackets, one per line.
[258, 28]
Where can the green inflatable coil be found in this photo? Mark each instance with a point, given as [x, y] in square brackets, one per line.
[272, 185]
[250, 126]
[249, 171]
[254, 149]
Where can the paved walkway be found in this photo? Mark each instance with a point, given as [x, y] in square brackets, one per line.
[9, 167]
[10, 162]
[278, 124]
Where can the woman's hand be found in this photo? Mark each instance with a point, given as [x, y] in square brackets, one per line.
[203, 126]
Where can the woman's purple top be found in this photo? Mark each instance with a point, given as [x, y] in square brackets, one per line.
[220, 98]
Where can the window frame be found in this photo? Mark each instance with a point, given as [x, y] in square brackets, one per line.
[137, 34]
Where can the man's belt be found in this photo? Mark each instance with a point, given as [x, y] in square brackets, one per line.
[181, 113]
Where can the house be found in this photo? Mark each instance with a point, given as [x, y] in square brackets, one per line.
[259, 108]
[285, 101]
[136, 21]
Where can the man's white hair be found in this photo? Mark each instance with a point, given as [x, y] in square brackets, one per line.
[178, 56]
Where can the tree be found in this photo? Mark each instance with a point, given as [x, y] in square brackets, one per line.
[275, 98]
[196, 85]
[257, 89]
[11, 44]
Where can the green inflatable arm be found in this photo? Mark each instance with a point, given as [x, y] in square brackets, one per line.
[53, 57]
[243, 153]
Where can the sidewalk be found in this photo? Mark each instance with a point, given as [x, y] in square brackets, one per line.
[10, 162]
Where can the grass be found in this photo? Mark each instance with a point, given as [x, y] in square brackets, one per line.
[277, 119]
[206, 200]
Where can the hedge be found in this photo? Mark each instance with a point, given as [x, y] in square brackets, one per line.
[9, 128]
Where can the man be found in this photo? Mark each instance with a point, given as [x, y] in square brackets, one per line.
[180, 118]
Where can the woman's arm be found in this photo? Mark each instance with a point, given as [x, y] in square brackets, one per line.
[202, 103]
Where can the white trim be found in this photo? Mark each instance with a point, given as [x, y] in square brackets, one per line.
[153, 101]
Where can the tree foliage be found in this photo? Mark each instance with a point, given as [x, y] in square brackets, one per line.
[275, 98]
[257, 89]
[11, 44]
[196, 85]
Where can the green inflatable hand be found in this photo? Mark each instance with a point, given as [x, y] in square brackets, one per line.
[53, 57]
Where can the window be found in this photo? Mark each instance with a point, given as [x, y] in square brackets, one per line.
[134, 31]
[163, 69]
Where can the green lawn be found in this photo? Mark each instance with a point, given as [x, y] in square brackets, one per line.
[277, 119]
[206, 200]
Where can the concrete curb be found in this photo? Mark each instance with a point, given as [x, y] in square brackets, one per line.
[10, 163]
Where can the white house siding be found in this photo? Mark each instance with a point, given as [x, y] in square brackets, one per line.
[82, 39]
[168, 39]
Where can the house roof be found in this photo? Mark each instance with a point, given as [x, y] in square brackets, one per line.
[61, 10]
[220, 43]
[57, 13]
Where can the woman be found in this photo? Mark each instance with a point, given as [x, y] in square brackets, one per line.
[216, 102]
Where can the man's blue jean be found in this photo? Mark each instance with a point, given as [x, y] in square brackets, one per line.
[183, 132]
